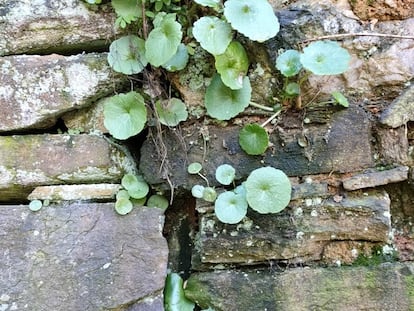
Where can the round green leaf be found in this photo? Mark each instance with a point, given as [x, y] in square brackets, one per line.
[209, 194]
[289, 63]
[232, 65]
[225, 174]
[253, 139]
[174, 297]
[230, 208]
[197, 191]
[137, 188]
[268, 190]
[215, 4]
[127, 11]
[123, 206]
[325, 58]
[125, 115]
[340, 99]
[292, 89]
[163, 41]
[194, 168]
[127, 55]
[254, 19]
[222, 102]
[179, 60]
[122, 194]
[158, 201]
[35, 205]
[213, 34]
[172, 112]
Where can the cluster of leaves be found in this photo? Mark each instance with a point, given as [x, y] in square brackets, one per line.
[134, 192]
[319, 58]
[266, 190]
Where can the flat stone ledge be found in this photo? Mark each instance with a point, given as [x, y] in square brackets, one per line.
[75, 192]
[29, 161]
[82, 257]
[57, 26]
[374, 179]
[386, 287]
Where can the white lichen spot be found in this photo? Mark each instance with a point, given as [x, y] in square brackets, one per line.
[338, 263]
[388, 250]
[354, 253]
[365, 229]
[314, 213]
[298, 212]
[300, 235]
[36, 233]
[387, 214]
[4, 298]
[234, 233]
[249, 243]
[308, 180]
[308, 202]
[106, 266]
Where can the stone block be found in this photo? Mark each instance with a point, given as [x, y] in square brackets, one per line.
[36, 90]
[343, 145]
[29, 161]
[54, 26]
[300, 233]
[82, 257]
[386, 287]
[400, 111]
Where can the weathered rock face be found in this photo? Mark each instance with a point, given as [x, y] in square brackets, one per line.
[56, 159]
[36, 90]
[298, 234]
[54, 26]
[303, 289]
[383, 9]
[81, 257]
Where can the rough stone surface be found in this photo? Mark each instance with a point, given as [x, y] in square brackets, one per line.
[400, 111]
[383, 9]
[374, 179]
[343, 144]
[75, 192]
[304, 289]
[39, 160]
[297, 234]
[393, 145]
[36, 90]
[81, 257]
[57, 26]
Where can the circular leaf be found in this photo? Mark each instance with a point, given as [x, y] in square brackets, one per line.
[136, 188]
[123, 206]
[179, 60]
[125, 115]
[122, 194]
[127, 55]
[253, 139]
[197, 191]
[194, 168]
[213, 34]
[158, 201]
[209, 194]
[163, 41]
[225, 174]
[232, 65]
[292, 89]
[289, 63]
[325, 58]
[230, 208]
[172, 113]
[222, 102]
[35, 205]
[268, 190]
[254, 19]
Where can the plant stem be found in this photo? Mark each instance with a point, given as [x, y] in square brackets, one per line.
[266, 108]
[271, 118]
[204, 178]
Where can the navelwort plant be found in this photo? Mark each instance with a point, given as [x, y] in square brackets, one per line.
[266, 190]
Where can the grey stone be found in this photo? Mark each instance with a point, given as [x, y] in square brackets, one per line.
[44, 26]
[29, 161]
[75, 192]
[374, 179]
[400, 111]
[36, 90]
[393, 146]
[300, 233]
[82, 257]
[386, 287]
[343, 144]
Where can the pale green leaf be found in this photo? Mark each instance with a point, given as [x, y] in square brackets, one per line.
[127, 10]
[289, 63]
[230, 208]
[194, 168]
[174, 298]
[171, 111]
[35, 205]
[213, 34]
[225, 174]
[340, 99]
[179, 60]
[123, 206]
[158, 201]
[253, 139]
[125, 115]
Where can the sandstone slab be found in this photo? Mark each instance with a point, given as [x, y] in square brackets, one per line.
[300, 233]
[386, 287]
[75, 192]
[47, 26]
[401, 110]
[36, 90]
[81, 257]
[28, 161]
[342, 144]
[374, 179]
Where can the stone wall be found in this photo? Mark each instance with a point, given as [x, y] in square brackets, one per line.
[345, 242]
